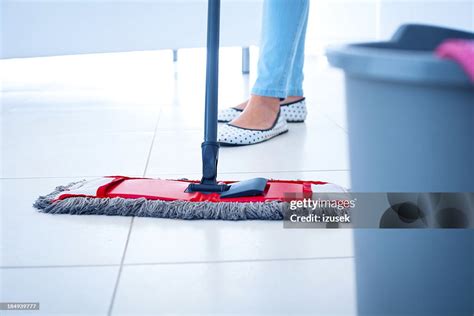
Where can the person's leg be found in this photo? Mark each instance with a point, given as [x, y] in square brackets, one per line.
[284, 23]
[295, 82]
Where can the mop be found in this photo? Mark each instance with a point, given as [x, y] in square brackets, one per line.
[253, 199]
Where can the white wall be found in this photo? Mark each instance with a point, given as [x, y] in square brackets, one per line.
[30, 28]
[49, 27]
[333, 21]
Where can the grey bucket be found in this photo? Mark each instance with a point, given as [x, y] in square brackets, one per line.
[411, 129]
[410, 114]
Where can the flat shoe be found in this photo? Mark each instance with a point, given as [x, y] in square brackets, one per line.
[228, 114]
[294, 112]
[231, 135]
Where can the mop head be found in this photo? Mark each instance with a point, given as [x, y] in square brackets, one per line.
[142, 197]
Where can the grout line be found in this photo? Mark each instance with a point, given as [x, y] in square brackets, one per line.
[253, 172]
[180, 263]
[117, 282]
[238, 261]
[114, 293]
[179, 174]
[285, 171]
[152, 143]
[59, 177]
[334, 122]
[185, 129]
[95, 176]
[61, 266]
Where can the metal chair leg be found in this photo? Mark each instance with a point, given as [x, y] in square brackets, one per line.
[175, 55]
[245, 60]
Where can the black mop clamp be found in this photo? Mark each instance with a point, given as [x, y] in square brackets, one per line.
[210, 146]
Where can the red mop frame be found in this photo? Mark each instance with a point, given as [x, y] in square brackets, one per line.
[174, 190]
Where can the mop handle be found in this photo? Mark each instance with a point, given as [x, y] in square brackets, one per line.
[210, 146]
[212, 71]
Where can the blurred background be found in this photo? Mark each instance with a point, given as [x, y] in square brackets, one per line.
[103, 25]
[127, 98]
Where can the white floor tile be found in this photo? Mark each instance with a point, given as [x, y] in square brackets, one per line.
[182, 118]
[312, 287]
[321, 145]
[30, 238]
[54, 112]
[60, 291]
[31, 155]
[325, 92]
[52, 134]
[163, 240]
[157, 240]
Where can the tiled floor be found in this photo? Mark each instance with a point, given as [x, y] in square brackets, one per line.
[68, 118]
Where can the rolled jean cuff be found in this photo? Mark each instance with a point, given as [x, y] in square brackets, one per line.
[295, 92]
[270, 93]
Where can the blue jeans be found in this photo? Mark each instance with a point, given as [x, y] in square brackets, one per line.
[280, 65]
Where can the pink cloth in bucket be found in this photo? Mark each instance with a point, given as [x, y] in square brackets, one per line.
[461, 51]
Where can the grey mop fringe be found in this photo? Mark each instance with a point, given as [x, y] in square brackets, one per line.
[142, 207]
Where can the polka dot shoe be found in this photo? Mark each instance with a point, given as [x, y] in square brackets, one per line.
[294, 112]
[227, 115]
[230, 135]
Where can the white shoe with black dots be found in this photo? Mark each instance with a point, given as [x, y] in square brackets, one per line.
[293, 112]
[231, 135]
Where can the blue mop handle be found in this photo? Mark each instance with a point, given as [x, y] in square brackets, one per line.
[212, 71]
[210, 146]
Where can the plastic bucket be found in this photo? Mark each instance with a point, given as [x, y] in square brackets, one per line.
[410, 113]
